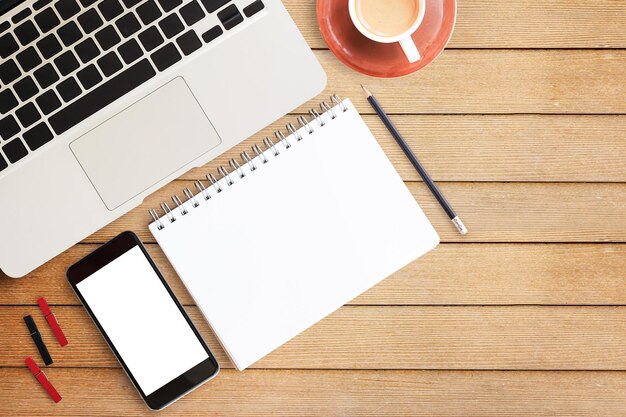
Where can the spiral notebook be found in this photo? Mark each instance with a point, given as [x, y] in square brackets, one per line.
[291, 232]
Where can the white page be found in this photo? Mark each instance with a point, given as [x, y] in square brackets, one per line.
[297, 238]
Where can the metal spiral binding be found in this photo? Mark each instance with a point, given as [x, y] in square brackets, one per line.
[168, 212]
[213, 180]
[156, 219]
[293, 131]
[179, 204]
[202, 190]
[237, 169]
[327, 109]
[317, 117]
[246, 157]
[191, 197]
[303, 123]
[270, 145]
[279, 135]
[335, 99]
[225, 175]
[259, 153]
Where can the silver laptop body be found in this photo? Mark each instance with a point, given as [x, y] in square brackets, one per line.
[190, 110]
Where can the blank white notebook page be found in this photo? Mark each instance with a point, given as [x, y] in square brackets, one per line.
[295, 239]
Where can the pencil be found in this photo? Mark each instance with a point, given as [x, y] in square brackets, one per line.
[416, 163]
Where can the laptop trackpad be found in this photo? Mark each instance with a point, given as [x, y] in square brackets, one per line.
[145, 143]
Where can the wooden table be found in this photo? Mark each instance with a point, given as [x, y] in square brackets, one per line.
[522, 120]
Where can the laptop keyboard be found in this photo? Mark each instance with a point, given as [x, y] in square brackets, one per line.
[62, 61]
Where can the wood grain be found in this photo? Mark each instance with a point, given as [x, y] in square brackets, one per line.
[452, 274]
[390, 337]
[493, 81]
[542, 148]
[525, 129]
[493, 212]
[107, 392]
[513, 24]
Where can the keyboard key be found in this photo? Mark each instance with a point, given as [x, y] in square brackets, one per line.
[110, 64]
[8, 127]
[8, 45]
[87, 50]
[9, 72]
[171, 26]
[69, 34]
[130, 51]
[38, 136]
[102, 96]
[212, 5]
[15, 150]
[26, 32]
[40, 4]
[7, 101]
[68, 89]
[107, 38]
[212, 33]
[49, 46]
[47, 20]
[25, 88]
[67, 8]
[4, 26]
[18, 17]
[130, 3]
[110, 9]
[66, 62]
[28, 59]
[46, 76]
[253, 8]
[192, 13]
[90, 21]
[150, 38]
[87, 3]
[89, 76]
[148, 12]
[189, 42]
[48, 102]
[28, 114]
[166, 57]
[3, 163]
[230, 17]
[169, 5]
[128, 24]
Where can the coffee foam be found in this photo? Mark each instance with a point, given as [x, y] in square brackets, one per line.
[387, 18]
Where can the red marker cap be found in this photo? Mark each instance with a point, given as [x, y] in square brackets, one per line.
[52, 321]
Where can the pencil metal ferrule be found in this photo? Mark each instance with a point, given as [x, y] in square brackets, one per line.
[459, 225]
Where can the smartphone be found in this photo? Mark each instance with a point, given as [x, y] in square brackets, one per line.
[142, 321]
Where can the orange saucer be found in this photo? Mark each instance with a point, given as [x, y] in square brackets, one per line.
[384, 60]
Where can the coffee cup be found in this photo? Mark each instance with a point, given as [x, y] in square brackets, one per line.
[389, 21]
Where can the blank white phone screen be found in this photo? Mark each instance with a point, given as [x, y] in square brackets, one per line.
[141, 319]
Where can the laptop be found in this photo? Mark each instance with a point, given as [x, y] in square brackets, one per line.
[104, 101]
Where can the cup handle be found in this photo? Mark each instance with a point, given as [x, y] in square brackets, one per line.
[410, 50]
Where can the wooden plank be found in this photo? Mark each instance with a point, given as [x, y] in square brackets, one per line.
[512, 338]
[108, 392]
[493, 212]
[543, 148]
[493, 81]
[453, 274]
[529, 24]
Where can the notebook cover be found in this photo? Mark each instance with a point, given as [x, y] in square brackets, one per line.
[294, 240]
